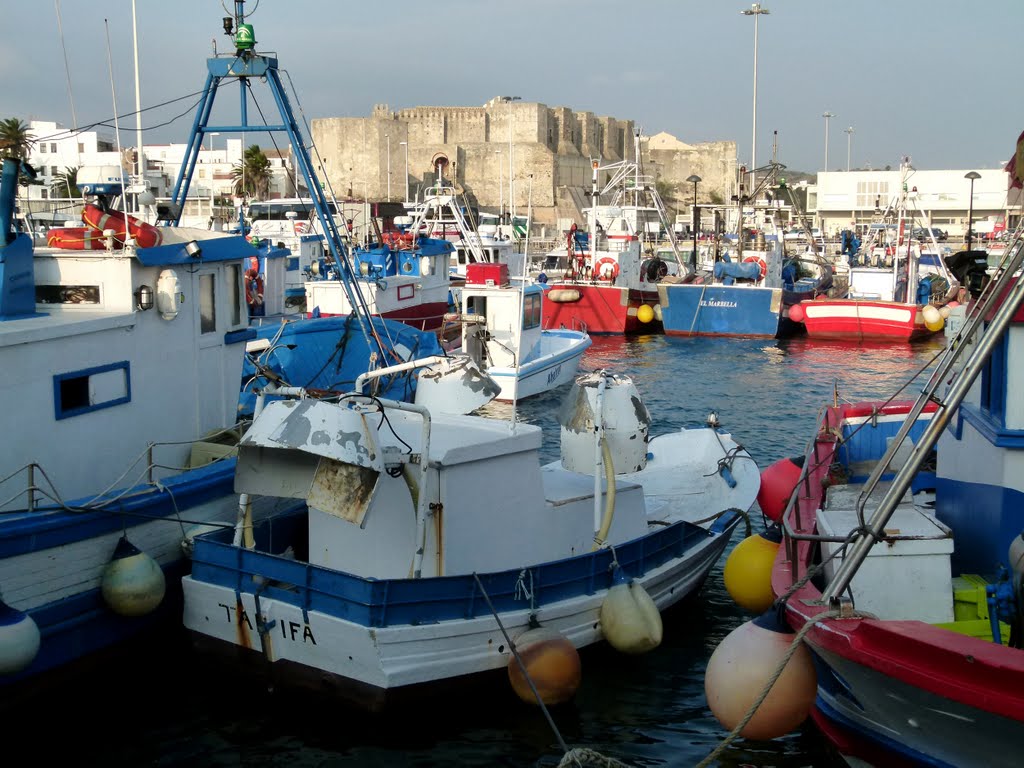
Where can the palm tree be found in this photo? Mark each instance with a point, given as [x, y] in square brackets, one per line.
[14, 138]
[252, 175]
[65, 184]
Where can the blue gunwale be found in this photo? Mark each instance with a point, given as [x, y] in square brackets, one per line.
[392, 602]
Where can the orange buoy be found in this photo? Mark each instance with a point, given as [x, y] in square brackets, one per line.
[777, 483]
[742, 666]
[552, 663]
[797, 313]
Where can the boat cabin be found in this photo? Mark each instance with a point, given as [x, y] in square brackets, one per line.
[499, 318]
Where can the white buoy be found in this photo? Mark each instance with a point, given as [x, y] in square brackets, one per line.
[188, 541]
[19, 640]
[630, 621]
[133, 582]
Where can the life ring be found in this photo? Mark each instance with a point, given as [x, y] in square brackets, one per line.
[606, 261]
[761, 265]
[145, 235]
[254, 290]
[76, 239]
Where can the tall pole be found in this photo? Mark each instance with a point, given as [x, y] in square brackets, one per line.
[694, 178]
[501, 190]
[511, 157]
[849, 141]
[826, 115]
[140, 160]
[755, 10]
[406, 145]
[388, 137]
[972, 175]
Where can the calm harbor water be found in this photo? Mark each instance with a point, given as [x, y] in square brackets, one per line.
[162, 706]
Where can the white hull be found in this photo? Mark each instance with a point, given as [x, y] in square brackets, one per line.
[555, 365]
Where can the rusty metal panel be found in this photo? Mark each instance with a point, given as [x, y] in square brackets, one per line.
[343, 490]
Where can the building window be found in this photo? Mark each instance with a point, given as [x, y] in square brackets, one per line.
[42, 148]
[207, 304]
[81, 147]
[88, 390]
[53, 148]
[53, 170]
[44, 193]
[871, 192]
[202, 173]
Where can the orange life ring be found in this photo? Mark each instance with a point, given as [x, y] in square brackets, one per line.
[599, 268]
[76, 239]
[761, 265]
[145, 235]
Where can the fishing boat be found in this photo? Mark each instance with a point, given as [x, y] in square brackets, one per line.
[123, 361]
[882, 303]
[501, 330]
[402, 274]
[747, 286]
[902, 556]
[126, 362]
[427, 539]
[609, 281]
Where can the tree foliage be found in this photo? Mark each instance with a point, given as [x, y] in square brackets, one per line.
[14, 139]
[65, 183]
[252, 176]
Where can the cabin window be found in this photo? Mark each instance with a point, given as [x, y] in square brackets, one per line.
[67, 294]
[207, 304]
[235, 294]
[79, 392]
[531, 311]
[476, 305]
[993, 383]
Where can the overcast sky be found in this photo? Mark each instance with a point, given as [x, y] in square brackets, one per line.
[939, 81]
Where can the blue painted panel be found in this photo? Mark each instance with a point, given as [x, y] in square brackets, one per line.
[985, 518]
[719, 310]
[292, 265]
[216, 249]
[244, 334]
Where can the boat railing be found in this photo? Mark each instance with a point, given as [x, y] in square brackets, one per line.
[39, 491]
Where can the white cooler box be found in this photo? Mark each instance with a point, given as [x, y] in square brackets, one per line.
[906, 578]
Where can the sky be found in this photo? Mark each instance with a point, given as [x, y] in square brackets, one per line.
[938, 81]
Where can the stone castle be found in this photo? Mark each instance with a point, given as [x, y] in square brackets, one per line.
[552, 149]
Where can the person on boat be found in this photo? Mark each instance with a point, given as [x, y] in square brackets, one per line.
[254, 290]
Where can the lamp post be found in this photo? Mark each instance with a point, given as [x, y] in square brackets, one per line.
[694, 179]
[826, 115]
[388, 137]
[406, 145]
[972, 175]
[755, 10]
[501, 190]
[511, 172]
[849, 138]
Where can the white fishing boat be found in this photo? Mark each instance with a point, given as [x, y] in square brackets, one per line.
[501, 331]
[425, 537]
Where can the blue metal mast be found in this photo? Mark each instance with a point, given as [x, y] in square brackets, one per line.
[241, 66]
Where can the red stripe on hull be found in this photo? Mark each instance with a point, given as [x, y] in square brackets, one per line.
[426, 317]
[862, 326]
[600, 309]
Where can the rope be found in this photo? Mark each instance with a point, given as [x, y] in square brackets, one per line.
[581, 756]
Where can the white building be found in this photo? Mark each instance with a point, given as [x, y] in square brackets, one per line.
[847, 199]
[57, 149]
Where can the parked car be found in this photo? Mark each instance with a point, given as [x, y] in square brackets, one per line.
[922, 234]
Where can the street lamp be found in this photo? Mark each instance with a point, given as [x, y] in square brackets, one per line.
[849, 137]
[511, 172]
[972, 175]
[388, 137]
[406, 145]
[501, 190]
[755, 10]
[694, 179]
[826, 115]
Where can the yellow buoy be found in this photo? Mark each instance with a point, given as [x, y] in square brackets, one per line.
[19, 640]
[748, 570]
[133, 583]
[552, 663]
[932, 318]
[644, 313]
[630, 620]
[742, 666]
